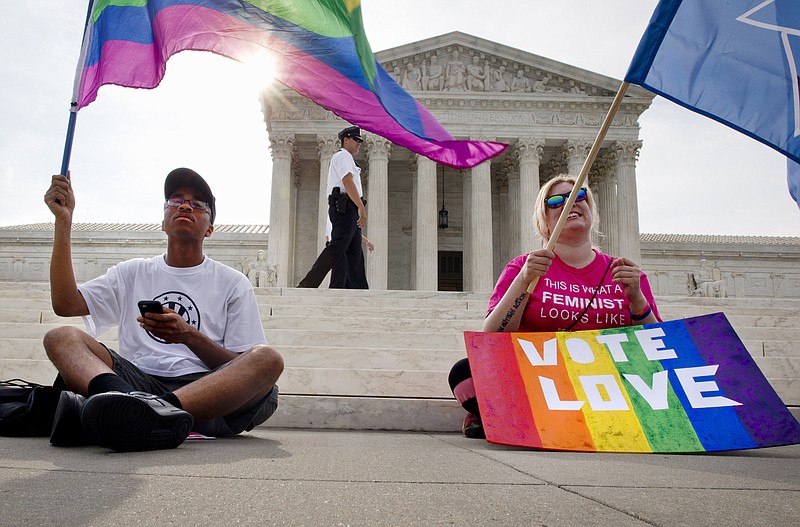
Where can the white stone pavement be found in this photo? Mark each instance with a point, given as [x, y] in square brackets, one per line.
[361, 478]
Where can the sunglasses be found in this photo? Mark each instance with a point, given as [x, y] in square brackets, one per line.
[557, 200]
[195, 204]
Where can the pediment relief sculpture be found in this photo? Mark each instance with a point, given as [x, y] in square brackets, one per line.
[459, 69]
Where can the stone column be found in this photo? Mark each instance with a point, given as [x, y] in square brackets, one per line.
[480, 258]
[426, 227]
[511, 223]
[500, 211]
[466, 228]
[577, 152]
[326, 147]
[280, 211]
[604, 190]
[625, 155]
[378, 151]
[530, 155]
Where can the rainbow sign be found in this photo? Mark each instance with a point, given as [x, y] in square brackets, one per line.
[680, 386]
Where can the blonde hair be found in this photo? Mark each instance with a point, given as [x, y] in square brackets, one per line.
[540, 210]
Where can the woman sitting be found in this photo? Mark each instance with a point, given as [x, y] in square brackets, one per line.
[578, 287]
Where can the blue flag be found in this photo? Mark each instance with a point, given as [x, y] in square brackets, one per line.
[734, 61]
[793, 178]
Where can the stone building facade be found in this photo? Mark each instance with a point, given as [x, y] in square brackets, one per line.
[548, 112]
[25, 249]
[677, 265]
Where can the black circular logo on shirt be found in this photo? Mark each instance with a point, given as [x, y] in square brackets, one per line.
[183, 305]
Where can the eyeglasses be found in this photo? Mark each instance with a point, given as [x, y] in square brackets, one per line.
[195, 204]
[557, 200]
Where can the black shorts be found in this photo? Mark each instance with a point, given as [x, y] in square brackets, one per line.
[244, 419]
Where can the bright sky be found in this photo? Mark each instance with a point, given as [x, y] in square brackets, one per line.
[694, 176]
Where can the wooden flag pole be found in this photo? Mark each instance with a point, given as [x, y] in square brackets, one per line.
[601, 134]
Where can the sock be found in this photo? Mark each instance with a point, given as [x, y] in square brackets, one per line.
[172, 399]
[108, 382]
[461, 383]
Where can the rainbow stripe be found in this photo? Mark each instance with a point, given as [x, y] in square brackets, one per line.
[320, 45]
[666, 413]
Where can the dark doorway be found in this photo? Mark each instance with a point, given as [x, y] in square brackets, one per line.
[451, 274]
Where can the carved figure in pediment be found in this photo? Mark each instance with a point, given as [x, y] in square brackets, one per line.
[542, 84]
[707, 282]
[520, 83]
[499, 81]
[475, 75]
[412, 77]
[397, 74]
[455, 73]
[434, 74]
[573, 88]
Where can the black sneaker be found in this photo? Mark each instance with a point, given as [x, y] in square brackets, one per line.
[67, 428]
[132, 422]
[472, 427]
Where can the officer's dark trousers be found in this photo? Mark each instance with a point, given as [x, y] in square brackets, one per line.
[342, 256]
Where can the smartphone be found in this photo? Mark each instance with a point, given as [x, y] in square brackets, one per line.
[150, 306]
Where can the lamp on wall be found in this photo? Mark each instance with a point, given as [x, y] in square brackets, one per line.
[443, 211]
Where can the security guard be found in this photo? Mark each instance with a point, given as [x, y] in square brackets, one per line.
[346, 210]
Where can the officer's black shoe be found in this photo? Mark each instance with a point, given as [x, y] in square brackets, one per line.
[132, 422]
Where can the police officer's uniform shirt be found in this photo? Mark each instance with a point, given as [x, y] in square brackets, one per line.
[342, 163]
[212, 297]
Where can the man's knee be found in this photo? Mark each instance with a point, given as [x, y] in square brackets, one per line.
[266, 359]
[61, 338]
[69, 342]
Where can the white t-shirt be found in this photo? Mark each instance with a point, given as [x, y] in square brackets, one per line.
[342, 163]
[212, 297]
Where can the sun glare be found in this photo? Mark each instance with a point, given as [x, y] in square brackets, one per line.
[260, 70]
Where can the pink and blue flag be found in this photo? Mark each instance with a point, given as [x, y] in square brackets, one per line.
[735, 61]
[321, 51]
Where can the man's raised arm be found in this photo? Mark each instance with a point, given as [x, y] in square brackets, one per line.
[67, 301]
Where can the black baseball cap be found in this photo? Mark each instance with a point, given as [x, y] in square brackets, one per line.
[352, 131]
[186, 177]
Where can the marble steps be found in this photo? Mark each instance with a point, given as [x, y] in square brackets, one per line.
[298, 316]
[37, 296]
[430, 340]
[375, 323]
[763, 335]
[327, 381]
[37, 331]
[751, 321]
[366, 358]
[355, 298]
[43, 320]
[38, 370]
[688, 307]
[388, 369]
[368, 413]
[385, 311]
[386, 334]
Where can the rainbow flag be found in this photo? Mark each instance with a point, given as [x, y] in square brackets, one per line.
[680, 386]
[320, 46]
